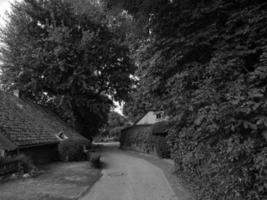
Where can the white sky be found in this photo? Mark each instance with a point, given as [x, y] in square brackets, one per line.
[4, 6]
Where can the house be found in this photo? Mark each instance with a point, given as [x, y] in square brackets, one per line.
[146, 132]
[30, 129]
[152, 117]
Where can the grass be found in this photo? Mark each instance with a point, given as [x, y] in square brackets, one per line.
[60, 181]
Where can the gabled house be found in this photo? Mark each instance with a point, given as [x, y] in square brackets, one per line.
[151, 117]
[30, 129]
[145, 133]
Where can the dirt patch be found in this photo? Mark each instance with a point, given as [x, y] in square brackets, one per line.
[60, 181]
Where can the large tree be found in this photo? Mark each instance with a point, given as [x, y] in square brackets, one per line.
[205, 63]
[68, 57]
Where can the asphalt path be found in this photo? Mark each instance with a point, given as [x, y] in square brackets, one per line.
[126, 177]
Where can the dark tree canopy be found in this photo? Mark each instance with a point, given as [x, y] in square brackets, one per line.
[205, 63]
[116, 120]
[67, 57]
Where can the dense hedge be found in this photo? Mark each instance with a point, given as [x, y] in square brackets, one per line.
[162, 147]
[17, 164]
[143, 138]
[73, 149]
[206, 64]
[138, 137]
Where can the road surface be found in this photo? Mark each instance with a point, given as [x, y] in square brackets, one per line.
[129, 178]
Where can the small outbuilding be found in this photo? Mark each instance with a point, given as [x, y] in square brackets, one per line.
[30, 129]
[147, 134]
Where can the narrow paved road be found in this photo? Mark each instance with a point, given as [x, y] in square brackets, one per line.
[129, 178]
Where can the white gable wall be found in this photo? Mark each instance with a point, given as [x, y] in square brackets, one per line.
[152, 117]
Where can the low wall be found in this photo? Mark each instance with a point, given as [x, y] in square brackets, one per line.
[141, 138]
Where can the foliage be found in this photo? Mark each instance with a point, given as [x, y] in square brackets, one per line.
[68, 57]
[116, 120]
[162, 147]
[115, 132]
[205, 63]
[26, 164]
[142, 138]
[161, 128]
[137, 105]
[73, 149]
[95, 160]
[139, 137]
[111, 131]
[18, 164]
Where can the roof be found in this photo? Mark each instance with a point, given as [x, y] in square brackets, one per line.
[136, 126]
[27, 124]
[144, 114]
[159, 128]
[6, 144]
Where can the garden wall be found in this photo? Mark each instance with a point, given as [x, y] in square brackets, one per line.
[142, 138]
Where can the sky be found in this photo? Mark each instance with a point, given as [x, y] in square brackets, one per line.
[5, 6]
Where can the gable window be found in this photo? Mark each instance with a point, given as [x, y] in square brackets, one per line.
[61, 136]
[2, 153]
[158, 116]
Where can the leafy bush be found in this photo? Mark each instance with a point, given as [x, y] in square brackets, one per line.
[205, 63]
[138, 138]
[115, 133]
[162, 148]
[19, 164]
[73, 149]
[146, 138]
[95, 160]
[25, 164]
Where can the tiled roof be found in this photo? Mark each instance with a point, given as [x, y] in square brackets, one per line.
[27, 124]
[6, 144]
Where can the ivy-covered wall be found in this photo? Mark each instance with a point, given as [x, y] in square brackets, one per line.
[205, 63]
[138, 138]
[146, 139]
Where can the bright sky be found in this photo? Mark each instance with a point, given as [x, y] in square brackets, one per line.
[5, 6]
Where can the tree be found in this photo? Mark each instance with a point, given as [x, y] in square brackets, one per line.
[205, 63]
[67, 58]
[116, 120]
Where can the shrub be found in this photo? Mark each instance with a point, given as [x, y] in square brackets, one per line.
[115, 133]
[162, 148]
[95, 160]
[73, 149]
[143, 138]
[18, 164]
[25, 164]
[206, 66]
[139, 138]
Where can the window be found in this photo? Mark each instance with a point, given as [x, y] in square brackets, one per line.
[61, 136]
[158, 116]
